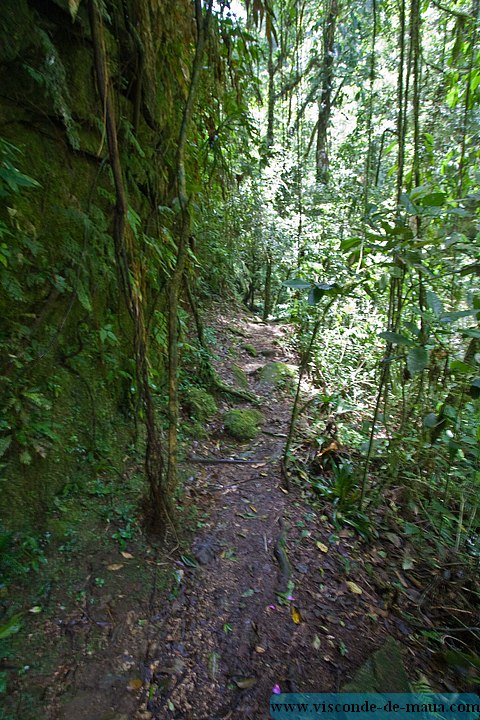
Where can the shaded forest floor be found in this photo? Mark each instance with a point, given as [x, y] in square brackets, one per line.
[268, 592]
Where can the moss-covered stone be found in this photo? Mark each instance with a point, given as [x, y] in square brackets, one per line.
[240, 376]
[278, 373]
[199, 404]
[243, 424]
[250, 350]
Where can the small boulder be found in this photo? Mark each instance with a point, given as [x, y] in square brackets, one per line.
[243, 424]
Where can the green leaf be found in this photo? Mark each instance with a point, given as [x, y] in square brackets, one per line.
[297, 284]
[408, 205]
[434, 199]
[73, 6]
[458, 366]
[452, 316]
[350, 243]
[25, 457]
[5, 444]
[83, 296]
[434, 303]
[315, 295]
[474, 392]
[417, 360]
[473, 269]
[430, 420]
[11, 627]
[189, 561]
[396, 338]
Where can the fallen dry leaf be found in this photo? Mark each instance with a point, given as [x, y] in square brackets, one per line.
[245, 683]
[321, 546]
[394, 539]
[126, 555]
[115, 566]
[295, 613]
[134, 684]
[354, 588]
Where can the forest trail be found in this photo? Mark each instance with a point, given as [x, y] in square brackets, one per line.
[239, 625]
[268, 595]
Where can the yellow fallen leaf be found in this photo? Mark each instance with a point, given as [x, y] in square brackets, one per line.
[135, 684]
[126, 555]
[354, 588]
[259, 649]
[115, 566]
[321, 546]
[253, 508]
[296, 617]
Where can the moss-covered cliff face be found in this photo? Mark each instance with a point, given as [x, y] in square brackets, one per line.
[68, 382]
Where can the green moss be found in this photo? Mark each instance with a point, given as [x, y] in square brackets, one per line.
[250, 350]
[199, 404]
[240, 376]
[278, 373]
[243, 424]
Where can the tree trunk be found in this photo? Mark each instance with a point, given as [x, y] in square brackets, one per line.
[267, 302]
[182, 237]
[325, 99]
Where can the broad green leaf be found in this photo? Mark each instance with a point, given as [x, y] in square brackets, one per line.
[473, 269]
[430, 420]
[434, 303]
[327, 287]
[458, 366]
[449, 411]
[408, 205]
[297, 283]
[434, 199]
[350, 243]
[452, 316]
[396, 338]
[417, 360]
[474, 392]
[11, 627]
[315, 295]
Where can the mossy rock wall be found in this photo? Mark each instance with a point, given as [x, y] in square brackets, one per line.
[67, 382]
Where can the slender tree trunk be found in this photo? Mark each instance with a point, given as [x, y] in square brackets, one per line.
[271, 92]
[182, 236]
[325, 99]
[267, 302]
[400, 103]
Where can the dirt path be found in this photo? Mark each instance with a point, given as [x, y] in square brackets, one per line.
[269, 593]
[236, 630]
